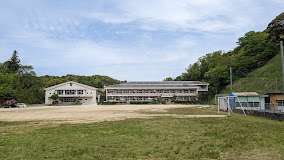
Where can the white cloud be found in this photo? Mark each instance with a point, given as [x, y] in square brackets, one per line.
[126, 39]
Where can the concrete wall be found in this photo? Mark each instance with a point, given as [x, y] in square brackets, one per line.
[270, 115]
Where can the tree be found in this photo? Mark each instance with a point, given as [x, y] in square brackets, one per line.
[168, 79]
[54, 97]
[276, 28]
[13, 65]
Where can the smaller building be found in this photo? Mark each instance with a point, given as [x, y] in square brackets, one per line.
[72, 92]
[249, 100]
[276, 101]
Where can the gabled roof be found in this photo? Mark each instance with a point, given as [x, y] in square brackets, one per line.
[79, 84]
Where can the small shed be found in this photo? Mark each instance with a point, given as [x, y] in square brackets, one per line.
[249, 100]
[276, 100]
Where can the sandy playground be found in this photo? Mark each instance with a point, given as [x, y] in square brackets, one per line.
[89, 113]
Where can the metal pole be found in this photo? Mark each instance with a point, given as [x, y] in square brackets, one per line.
[218, 105]
[229, 113]
[276, 84]
[231, 78]
[281, 50]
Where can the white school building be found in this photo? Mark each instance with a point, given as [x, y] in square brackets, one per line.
[147, 91]
[72, 92]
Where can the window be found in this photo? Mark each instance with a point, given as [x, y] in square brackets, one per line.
[152, 91]
[69, 92]
[117, 99]
[86, 99]
[193, 98]
[185, 91]
[256, 104]
[166, 91]
[110, 91]
[80, 99]
[139, 91]
[244, 104]
[145, 91]
[160, 91]
[192, 91]
[110, 98]
[173, 91]
[179, 91]
[71, 84]
[145, 98]
[119, 91]
[132, 98]
[140, 98]
[125, 91]
[69, 100]
[132, 91]
[250, 104]
[80, 92]
[60, 92]
[280, 103]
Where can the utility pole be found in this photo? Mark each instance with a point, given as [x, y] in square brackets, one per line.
[281, 50]
[231, 78]
[276, 84]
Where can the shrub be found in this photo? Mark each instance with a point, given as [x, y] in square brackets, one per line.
[139, 102]
[108, 103]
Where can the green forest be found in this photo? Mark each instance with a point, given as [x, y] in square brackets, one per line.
[253, 51]
[20, 82]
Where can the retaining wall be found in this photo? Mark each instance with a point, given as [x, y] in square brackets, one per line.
[267, 114]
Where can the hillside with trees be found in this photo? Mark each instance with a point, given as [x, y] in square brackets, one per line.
[254, 53]
[20, 82]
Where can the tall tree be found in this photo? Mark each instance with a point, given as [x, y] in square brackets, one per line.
[13, 65]
[276, 28]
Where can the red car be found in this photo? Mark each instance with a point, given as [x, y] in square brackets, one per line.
[10, 103]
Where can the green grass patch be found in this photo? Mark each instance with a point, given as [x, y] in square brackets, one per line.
[235, 137]
[261, 80]
[188, 111]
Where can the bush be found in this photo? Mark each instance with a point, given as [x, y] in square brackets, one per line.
[186, 102]
[108, 103]
[139, 102]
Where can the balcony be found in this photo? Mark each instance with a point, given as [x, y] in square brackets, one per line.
[151, 94]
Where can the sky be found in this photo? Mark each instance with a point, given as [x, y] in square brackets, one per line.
[133, 40]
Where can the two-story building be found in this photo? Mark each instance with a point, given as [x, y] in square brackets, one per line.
[147, 91]
[71, 92]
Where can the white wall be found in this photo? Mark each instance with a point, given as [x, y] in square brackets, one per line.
[90, 93]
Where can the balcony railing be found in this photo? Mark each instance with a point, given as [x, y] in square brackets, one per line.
[151, 94]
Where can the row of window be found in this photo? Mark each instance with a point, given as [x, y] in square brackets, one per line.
[247, 104]
[71, 92]
[70, 100]
[152, 91]
[143, 98]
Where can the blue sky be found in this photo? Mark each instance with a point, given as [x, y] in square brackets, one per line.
[130, 40]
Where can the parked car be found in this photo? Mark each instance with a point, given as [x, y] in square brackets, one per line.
[22, 105]
[10, 103]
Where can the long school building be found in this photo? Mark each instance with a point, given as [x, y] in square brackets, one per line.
[147, 91]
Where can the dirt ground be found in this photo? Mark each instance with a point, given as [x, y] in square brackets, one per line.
[89, 113]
